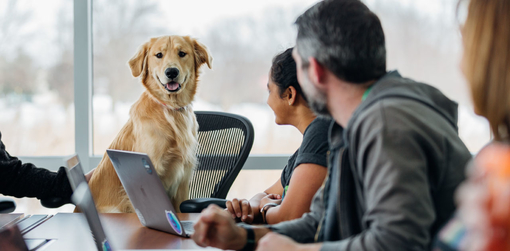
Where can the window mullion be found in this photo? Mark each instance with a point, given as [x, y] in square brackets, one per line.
[83, 80]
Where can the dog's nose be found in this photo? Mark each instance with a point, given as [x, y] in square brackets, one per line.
[171, 73]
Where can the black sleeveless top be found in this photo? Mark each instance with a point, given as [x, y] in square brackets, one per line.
[313, 149]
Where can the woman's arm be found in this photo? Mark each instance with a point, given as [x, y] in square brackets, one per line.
[276, 188]
[249, 211]
[305, 181]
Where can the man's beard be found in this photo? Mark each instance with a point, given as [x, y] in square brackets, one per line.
[317, 100]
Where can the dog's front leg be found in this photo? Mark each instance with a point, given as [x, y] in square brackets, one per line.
[182, 193]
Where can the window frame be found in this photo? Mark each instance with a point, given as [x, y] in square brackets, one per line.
[83, 82]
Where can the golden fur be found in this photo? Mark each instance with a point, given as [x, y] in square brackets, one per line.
[161, 124]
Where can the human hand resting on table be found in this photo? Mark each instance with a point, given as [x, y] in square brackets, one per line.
[241, 208]
[271, 198]
[216, 228]
[88, 176]
[277, 242]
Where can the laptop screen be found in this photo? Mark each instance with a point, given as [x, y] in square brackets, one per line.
[74, 172]
[82, 197]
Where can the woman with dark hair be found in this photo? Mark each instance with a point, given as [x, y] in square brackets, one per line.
[290, 197]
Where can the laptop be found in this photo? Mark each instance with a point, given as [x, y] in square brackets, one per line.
[82, 197]
[147, 194]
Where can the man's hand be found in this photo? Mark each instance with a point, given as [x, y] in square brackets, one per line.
[241, 209]
[277, 242]
[216, 228]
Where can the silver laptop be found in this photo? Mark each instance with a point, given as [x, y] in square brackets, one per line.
[82, 197]
[147, 194]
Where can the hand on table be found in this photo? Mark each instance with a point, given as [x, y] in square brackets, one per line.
[277, 242]
[216, 228]
[241, 208]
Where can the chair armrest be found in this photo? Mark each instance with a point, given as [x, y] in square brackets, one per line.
[54, 202]
[197, 205]
[7, 205]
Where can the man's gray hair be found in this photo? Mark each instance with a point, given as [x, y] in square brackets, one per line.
[345, 37]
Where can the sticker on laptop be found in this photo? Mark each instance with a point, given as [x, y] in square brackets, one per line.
[106, 246]
[174, 222]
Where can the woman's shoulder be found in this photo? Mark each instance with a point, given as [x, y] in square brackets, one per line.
[315, 138]
[319, 128]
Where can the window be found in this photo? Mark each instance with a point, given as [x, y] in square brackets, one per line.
[423, 42]
[36, 77]
[36, 66]
[242, 36]
[38, 55]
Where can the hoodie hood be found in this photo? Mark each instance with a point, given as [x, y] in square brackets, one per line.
[392, 85]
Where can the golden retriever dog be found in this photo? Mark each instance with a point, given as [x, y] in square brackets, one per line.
[161, 124]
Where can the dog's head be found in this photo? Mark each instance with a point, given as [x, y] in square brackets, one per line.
[168, 67]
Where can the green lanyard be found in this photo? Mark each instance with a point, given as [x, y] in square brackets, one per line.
[366, 93]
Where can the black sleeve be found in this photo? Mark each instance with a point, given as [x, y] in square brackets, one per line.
[26, 180]
[314, 148]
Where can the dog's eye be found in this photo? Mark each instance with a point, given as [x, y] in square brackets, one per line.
[182, 54]
[159, 55]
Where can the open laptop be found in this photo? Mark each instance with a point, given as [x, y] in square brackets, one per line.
[82, 197]
[147, 194]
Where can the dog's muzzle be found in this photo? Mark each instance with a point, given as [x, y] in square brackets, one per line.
[172, 73]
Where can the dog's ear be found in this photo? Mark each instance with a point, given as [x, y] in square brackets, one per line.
[202, 55]
[138, 62]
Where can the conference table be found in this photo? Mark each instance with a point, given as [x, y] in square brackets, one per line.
[70, 231]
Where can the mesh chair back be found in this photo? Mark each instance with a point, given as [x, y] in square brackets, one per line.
[225, 141]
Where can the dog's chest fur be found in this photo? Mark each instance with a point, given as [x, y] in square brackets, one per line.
[170, 139]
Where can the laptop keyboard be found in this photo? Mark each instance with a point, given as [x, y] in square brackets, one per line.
[188, 227]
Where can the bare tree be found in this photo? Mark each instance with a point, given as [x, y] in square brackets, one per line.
[243, 49]
[12, 19]
[60, 76]
[19, 75]
[17, 71]
[120, 26]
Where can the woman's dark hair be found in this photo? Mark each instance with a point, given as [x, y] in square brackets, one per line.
[283, 72]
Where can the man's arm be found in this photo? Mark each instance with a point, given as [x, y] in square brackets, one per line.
[216, 228]
[26, 180]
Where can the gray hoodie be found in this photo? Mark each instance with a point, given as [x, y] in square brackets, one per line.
[392, 172]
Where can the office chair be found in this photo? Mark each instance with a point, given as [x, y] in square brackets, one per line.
[225, 141]
[7, 205]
